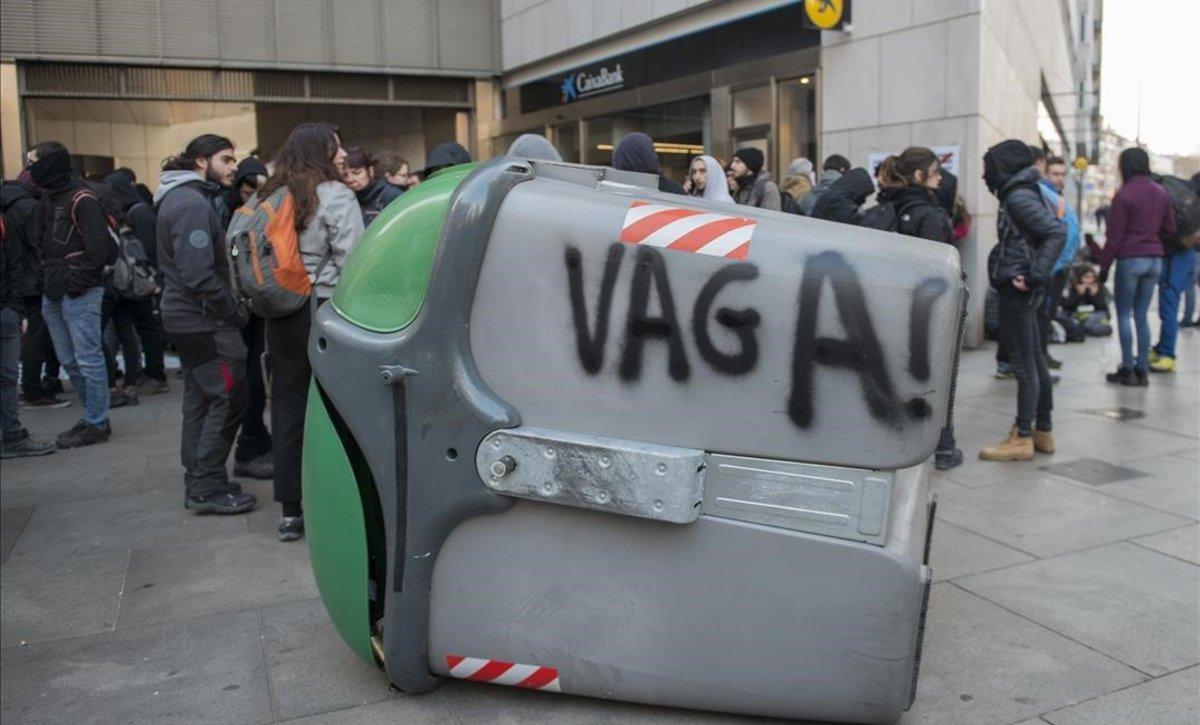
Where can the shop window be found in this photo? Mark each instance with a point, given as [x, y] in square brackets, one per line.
[752, 107]
[797, 120]
[681, 130]
[566, 140]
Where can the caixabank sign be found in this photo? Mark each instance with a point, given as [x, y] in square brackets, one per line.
[585, 84]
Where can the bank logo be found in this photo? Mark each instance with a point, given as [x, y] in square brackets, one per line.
[584, 84]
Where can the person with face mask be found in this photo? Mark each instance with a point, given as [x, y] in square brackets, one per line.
[76, 246]
[203, 317]
[373, 192]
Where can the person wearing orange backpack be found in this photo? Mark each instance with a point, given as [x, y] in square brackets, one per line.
[203, 318]
[75, 248]
[327, 222]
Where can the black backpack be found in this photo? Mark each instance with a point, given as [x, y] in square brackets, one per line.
[885, 217]
[130, 276]
[787, 203]
[1186, 205]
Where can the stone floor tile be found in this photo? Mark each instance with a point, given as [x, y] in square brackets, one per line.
[1172, 485]
[1172, 699]
[311, 668]
[957, 552]
[1182, 543]
[981, 664]
[1044, 516]
[122, 522]
[65, 477]
[172, 583]
[1100, 597]
[12, 523]
[202, 671]
[48, 600]
[1116, 441]
[398, 709]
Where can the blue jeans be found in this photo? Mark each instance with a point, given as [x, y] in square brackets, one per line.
[10, 365]
[1133, 290]
[74, 325]
[1178, 268]
[1189, 295]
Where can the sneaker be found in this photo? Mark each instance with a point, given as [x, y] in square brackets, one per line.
[1153, 355]
[25, 446]
[1122, 376]
[1004, 371]
[221, 503]
[44, 401]
[1052, 363]
[261, 468]
[947, 459]
[151, 386]
[291, 528]
[52, 386]
[84, 434]
[1013, 448]
[1190, 323]
[1140, 378]
[1163, 364]
[120, 397]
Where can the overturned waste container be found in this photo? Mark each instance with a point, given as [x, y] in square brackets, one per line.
[572, 434]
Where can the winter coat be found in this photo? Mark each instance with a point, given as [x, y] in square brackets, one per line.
[758, 191]
[1066, 216]
[918, 213]
[798, 185]
[375, 198]
[197, 289]
[1029, 236]
[1074, 299]
[1139, 221]
[75, 247]
[331, 233]
[636, 152]
[809, 201]
[138, 215]
[23, 224]
[843, 200]
[12, 268]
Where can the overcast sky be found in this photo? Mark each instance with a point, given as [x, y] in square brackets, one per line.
[1157, 42]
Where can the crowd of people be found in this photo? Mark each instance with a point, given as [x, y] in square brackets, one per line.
[96, 270]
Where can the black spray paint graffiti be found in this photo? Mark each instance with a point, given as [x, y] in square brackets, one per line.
[859, 351]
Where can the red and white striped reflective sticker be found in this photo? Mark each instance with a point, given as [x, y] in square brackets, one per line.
[504, 673]
[687, 230]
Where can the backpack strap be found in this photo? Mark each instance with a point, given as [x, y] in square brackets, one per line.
[78, 197]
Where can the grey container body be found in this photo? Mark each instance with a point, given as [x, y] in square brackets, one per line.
[846, 362]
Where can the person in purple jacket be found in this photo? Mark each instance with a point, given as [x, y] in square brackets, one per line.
[1138, 222]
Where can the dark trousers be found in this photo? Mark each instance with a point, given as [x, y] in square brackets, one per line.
[1048, 310]
[139, 333]
[214, 398]
[37, 352]
[287, 345]
[1020, 333]
[254, 439]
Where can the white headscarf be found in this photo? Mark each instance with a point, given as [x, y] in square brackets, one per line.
[715, 188]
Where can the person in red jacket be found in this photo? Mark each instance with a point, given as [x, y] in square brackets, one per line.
[1138, 222]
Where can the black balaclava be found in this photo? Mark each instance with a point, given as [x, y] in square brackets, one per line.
[752, 158]
[52, 171]
[121, 181]
[1003, 161]
[1133, 162]
[636, 153]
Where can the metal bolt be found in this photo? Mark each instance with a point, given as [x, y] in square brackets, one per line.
[605, 461]
[661, 469]
[547, 488]
[501, 467]
[549, 452]
[658, 505]
[602, 497]
[496, 444]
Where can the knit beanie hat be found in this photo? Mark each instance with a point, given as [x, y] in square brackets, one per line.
[751, 157]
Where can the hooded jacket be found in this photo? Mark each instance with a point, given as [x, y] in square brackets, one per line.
[843, 200]
[1029, 236]
[12, 256]
[809, 202]
[197, 291]
[75, 234]
[1066, 216]
[918, 213]
[443, 155]
[23, 227]
[533, 146]
[636, 152]
[375, 198]
[139, 216]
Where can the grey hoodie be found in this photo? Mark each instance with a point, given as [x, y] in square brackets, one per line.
[810, 199]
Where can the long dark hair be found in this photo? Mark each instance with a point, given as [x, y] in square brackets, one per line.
[901, 170]
[305, 161]
[1133, 162]
[201, 147]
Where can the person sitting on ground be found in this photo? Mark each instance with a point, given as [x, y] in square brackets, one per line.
[535, 147]
[835, 165]
[374, 194]
[1087, 303]
[636, 152]
[394, 169]
[842, 201]
[444, 156]
[755, 186]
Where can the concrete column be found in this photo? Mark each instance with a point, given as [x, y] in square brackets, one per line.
[487, 114]
[12, 144]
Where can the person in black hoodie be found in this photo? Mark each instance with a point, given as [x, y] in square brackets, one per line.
[443, 156]
[843, 200]
[636, 152]
[1030, 238]
[15, 441]
[203, 318]
[138, 314]
[40, 386]
[374, 193]
[76, 245]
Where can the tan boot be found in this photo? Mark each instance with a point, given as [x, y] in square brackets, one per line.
[1043, 441]
[1014, 448]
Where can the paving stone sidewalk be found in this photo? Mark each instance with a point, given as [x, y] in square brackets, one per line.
[1063, 596]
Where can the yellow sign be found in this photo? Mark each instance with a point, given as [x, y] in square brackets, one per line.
[825, 14]
[1081, 163]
